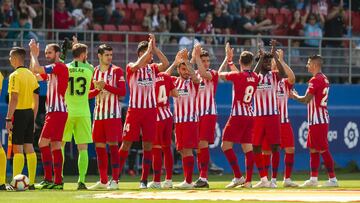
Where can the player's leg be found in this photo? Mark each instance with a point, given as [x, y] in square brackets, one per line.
[18, 136]
[314, 159]
[2, 168]
[275, 161]
[67, 136]
[45, 151]
[168, 154]
[258, 137]
[157, 155]
[266, 156]
[31, 158]
[288, 144]
[249, 163]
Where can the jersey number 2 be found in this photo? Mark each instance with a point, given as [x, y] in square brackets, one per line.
[162, 98]
[82, 86]
[325, 98]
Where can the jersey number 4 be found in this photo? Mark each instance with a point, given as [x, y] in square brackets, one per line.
[162, 97]
[81, 87]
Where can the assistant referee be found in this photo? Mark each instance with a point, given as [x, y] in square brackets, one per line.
[23, 105]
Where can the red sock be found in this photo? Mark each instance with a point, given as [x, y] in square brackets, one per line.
[249, 161]
[115, 165]
[204, 158]
[329, 163]
[289, 162]
[266, 163]
[233, 161]
[102, 162]
[259, 164]
[47, 162]
[122, 157]
[146, 164]
[314, 164]
[58, 164]
[275, 160]
[188, 165]
[168, 161]
[156, 163]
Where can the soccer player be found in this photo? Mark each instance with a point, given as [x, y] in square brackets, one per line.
[51, 136]
[186, 113]
[286, 131]
[23, 105]
[206, 105]
[77, 101]
[239, 127]
[164, 125]
[141, 115]
[316, 98]
[108, 86]
[267, 120]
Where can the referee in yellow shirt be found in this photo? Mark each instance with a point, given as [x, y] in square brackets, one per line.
[23, 105]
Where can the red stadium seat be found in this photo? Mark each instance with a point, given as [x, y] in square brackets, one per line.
[133, 6]
[279, 19]
[97, 27]
[102, 37]
[137, 38]
[272, 11]
[120, 6]
[145, 6]
[192, 17]
[123, 28]
[139, 15]
[112, 37]
[185, 8]
[128, 17]
[285, 11]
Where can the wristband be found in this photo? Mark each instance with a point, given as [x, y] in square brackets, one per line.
[230, 63]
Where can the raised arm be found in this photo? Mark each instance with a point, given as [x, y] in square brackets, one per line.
[142, 61]
[279, 65]
[164, 62]
[177, 61]
[289, 73]
[35, 67]
[202, 71]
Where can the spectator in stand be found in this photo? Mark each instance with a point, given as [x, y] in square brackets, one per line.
[301, 4]
[313, 28]
[8, 14]
[107, 15]
[263, 18]
[233, 9]
[204, 7]
[24, 7]
[176, 20]
[21, 23]
[208, 45]
[63, 19]
[188, 41]
[75, 4]
[153, 19]
[221, 23]
[296, 27]
[206, 26]
[247, 25]
[335, 27]
[84, 16]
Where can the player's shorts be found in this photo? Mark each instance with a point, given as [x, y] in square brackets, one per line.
[187, 135]
[23, 127]
[80, 127]
[238, 129]
[107, 130]
[317, 137]
[207, 125]
[266, 128]
[140, 120]
[286, 137]
[163, 132]
[54, 126]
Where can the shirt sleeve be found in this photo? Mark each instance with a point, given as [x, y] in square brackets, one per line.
[215, 76]
[312, 86]
[170, 83]
[155, 68]
[14, 84]
[230, 76]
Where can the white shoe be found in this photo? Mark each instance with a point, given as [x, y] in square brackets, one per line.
[331, 183]
[167, 184]
[143, 185]
[273, 184]
[262, 184]
[98, 186]
[245, 185]
[236, 182]
[289, 183]
[184, 185]
[310, 183]
[113, 185]
[154, 185]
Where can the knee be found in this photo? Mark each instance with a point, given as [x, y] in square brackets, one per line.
[290, 150]
[82, 147]
[125, 146]
[147, 146]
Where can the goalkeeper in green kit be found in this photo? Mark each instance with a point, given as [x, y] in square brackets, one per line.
[76, 99]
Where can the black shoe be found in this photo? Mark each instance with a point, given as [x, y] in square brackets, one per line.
[32, 187]
[6, 187]
[143, 184]
[81, 186]
[3, 187]
[56, 186]
[201, 184]
[43, 185]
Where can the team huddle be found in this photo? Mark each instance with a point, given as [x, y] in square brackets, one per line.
[258, 120]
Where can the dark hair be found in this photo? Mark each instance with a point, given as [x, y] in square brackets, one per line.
[104, 47]
[19, 52]
[317, 58]
[56, 47]
[23, 16]
[267, 55]
[246, 58]
[78, 49]
[142, 46]
[249, 8]
[204, 53]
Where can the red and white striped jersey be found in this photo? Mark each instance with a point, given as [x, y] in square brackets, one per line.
[164, 85]
[284, 88]
[317, 107]
[185, 104]
[205, 101]
[244, 87]
[265, 101]
[142, 86]
[57, 75]
[107, 103]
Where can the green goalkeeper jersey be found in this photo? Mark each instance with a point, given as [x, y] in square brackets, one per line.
[76, 98]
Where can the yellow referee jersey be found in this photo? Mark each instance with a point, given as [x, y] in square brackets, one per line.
[23, 82]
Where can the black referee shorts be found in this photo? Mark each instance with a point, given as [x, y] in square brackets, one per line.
[23, 127]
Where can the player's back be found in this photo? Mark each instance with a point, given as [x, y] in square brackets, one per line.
[206, 97]
[163, 87]
[283, 91]
[245, 85]
[76, 98]
[317, 107]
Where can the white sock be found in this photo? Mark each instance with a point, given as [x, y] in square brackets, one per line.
[314, 178]
[264, 179]
[203, 179]
[273, 179]
[287, 179]
[333, 179]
